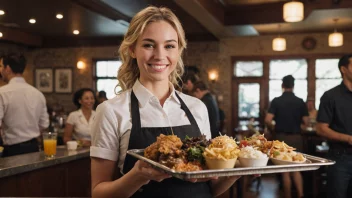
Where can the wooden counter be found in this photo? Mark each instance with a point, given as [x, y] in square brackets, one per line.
[32, 175]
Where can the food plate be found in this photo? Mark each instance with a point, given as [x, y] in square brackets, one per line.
[312, 163]
[284, 162]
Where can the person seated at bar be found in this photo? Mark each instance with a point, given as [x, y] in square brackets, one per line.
[78, 124]
[334, 122]
[289, 112]
[23, 112]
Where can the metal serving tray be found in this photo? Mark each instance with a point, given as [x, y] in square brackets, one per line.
[312, 163]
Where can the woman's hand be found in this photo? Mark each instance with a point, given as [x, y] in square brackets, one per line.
[146, 172]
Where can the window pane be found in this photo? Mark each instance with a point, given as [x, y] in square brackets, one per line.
[295, 67]
[248, 100]
[248, 68]
[327, 68]
[101, 68]
[107, 68]
[323, 85]
[108, 85]
[300, 89]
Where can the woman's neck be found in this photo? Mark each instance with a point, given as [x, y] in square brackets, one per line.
[86, 111]
[159, 89]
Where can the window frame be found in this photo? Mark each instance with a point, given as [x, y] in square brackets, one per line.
[94, 73]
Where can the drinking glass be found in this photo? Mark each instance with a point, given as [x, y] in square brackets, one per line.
[50, 141]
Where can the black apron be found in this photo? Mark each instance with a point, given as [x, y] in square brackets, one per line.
[141, 138]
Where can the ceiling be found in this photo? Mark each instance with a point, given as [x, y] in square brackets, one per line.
[106, 21]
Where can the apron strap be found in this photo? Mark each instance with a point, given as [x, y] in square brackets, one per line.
[187, 111]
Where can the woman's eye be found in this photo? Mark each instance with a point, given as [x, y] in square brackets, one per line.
[169, 46]
[148, 45]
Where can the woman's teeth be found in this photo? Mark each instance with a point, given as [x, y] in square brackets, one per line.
[158, 67]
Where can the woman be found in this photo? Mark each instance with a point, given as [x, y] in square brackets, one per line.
[147, 107]
[79, 123]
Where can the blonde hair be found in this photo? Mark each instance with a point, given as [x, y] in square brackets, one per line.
[129, 72]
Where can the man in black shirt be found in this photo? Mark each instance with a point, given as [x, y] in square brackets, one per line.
[335, 123]
[200, 91]
[289, 112]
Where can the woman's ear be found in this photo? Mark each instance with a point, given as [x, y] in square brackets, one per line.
[131, 51]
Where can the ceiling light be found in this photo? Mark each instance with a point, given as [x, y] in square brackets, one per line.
[279, 44]
[1, 34]
[336, 38]
[59, 16]
[293, 11]
[75, 32]
[2, 12]
[81, 65]
[32, 20]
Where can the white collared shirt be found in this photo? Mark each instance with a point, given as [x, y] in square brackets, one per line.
[23, 111]
[81, 127]
[112, 125]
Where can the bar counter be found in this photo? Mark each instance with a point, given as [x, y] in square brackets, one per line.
[33, 175]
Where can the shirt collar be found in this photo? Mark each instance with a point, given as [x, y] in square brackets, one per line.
[17, 80]
[288, 93]
[344, 87]
[144, 95]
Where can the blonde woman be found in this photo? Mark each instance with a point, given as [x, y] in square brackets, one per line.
[79, 123]
[151, 65]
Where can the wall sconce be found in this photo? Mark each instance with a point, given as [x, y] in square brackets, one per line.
[293, 11]
[81, 65]
[213, 76]
[1, 34]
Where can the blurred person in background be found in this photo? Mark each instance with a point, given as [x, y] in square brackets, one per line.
[188, 82]
[79, 123]
[334, 122]
[101, 97]
[201, 91]
[23, 111]
[291, 115]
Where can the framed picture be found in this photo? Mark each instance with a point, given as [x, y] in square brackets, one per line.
[63, 80]
[43, 79]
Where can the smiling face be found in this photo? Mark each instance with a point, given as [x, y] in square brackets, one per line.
[157, 52]
[87, 101]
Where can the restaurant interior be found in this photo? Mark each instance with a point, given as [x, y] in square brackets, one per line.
[241, 48]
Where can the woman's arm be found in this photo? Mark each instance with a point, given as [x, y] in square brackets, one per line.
[68, 132]
[103, 185]
[222, 184]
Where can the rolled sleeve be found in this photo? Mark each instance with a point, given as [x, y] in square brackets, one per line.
[104, 133]
[325, 113]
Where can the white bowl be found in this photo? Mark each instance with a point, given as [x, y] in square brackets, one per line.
[252, 162]
[219, 163]
[284, 162]
[72, 145]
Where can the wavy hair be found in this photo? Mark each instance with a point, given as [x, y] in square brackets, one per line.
[129, 71]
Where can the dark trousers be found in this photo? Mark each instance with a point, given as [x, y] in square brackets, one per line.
[340, 175]
[21, 148]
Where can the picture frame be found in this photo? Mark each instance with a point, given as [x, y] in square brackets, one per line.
[43, 79]
[63, 80]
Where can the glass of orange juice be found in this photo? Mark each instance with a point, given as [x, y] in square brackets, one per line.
[49, 140]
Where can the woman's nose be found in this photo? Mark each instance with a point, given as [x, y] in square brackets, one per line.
[159, 53]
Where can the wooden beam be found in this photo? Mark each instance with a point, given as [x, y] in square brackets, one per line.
[19, 37]
[215, 9]
[273, 12]
[73, 41]
[102, 9]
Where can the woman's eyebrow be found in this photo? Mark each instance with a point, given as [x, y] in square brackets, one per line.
[167, 41]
